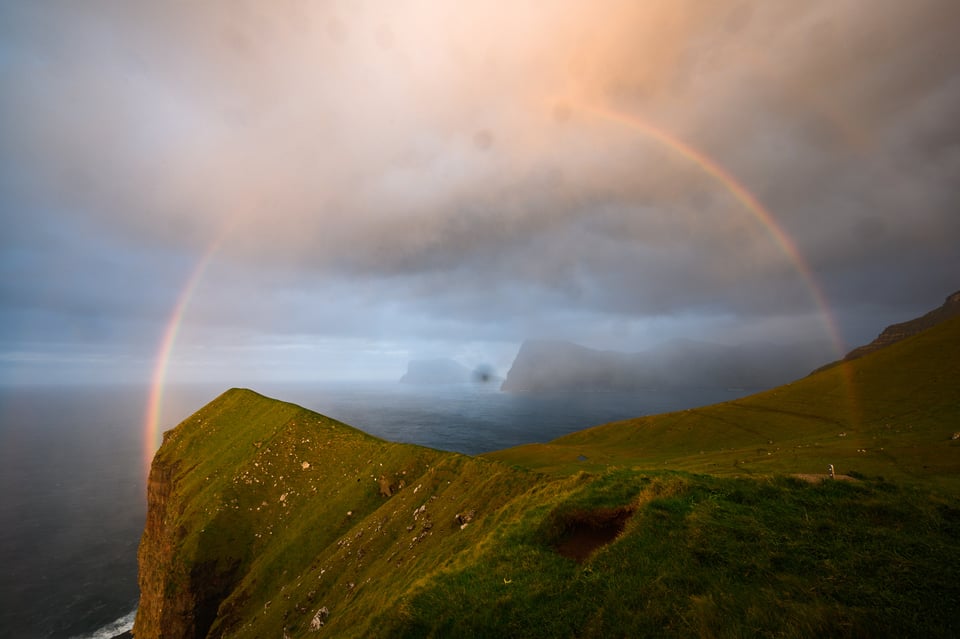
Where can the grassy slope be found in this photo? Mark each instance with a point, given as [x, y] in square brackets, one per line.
[744, 551]
[324, 535]
[890, 414]
[708, 557]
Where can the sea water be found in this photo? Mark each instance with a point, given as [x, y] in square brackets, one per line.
[72, 475]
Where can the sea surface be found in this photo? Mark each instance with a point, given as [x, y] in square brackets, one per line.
[72, 475]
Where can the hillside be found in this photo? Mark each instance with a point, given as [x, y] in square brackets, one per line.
[266, 519]
[548, 365]
[892, 414]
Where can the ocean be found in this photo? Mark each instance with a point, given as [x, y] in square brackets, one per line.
[72, 476]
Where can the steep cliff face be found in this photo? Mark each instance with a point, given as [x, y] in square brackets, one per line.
[168, 602]
[181, 585]
[155, 554]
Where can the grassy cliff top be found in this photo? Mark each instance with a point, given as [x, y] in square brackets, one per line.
[267, 519]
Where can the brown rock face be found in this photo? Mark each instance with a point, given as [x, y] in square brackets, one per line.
[177, 599]
[154, 555]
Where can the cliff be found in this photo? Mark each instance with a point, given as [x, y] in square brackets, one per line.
[262, 513]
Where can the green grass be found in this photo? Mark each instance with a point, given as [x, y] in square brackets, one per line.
[890, 414]
[720, 537]
[705, 556]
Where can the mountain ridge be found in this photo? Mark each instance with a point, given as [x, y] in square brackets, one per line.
[902, 330]
[896, 332]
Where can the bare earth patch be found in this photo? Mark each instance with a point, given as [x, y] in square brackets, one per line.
[590, 530]
[814, 479]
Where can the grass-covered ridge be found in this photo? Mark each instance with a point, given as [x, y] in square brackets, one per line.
[694, 523]
[706, 556]
[891, 414]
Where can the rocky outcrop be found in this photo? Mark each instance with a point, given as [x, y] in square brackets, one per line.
[896, 332]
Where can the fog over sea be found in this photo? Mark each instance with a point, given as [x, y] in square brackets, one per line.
[72, 475]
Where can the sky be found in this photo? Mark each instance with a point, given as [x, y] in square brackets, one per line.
[253, 191]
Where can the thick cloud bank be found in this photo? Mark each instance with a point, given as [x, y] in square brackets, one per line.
[417, 178]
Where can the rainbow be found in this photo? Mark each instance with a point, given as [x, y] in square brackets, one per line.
[765, 218]
[750, 203]
[151, 438]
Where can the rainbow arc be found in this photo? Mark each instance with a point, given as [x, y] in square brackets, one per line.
[706, 165]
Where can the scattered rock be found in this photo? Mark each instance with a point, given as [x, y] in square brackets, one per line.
[465, 518]
[305, 465]
[319, 619]
[956, 435]
[386, 488]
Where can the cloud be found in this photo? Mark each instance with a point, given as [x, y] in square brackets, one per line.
[447, 166]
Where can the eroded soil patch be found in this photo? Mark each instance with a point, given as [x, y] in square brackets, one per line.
[586, 531]
[817, 478]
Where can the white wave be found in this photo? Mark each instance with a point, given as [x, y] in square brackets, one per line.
[112, 629]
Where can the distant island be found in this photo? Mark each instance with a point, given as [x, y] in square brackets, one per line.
[436, 371]
[432, 372]
[550, 365]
